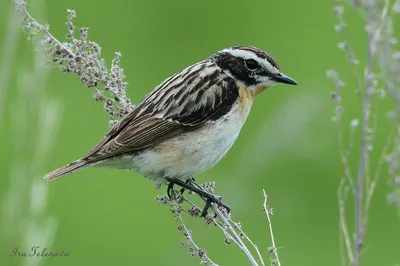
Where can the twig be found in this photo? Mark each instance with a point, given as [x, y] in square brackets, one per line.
[83, 58]
[372, 185]
[337, 99]
[228, 236]
[176, 208]
[380, 48]
[45, 30]
[364, 154]
[200, 251]
[228, 229]
[274, 248]
[238, 226]
[342, 220]
[233, 234]
[219, 217]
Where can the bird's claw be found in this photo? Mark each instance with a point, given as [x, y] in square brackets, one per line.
[190, 185]
[217, 200]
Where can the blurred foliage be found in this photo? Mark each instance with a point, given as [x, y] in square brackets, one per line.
[288, 145]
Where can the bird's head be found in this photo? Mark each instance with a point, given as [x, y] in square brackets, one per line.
[251, 68]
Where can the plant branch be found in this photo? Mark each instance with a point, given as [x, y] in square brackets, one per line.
[82, 57]
[380, 48]
[273, 249]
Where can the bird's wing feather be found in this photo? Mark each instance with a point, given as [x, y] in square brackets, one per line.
[182, 103]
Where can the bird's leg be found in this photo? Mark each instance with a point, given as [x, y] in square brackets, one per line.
[209, 198]
[208, 201]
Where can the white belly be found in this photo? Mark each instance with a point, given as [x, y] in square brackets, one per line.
[188, 154]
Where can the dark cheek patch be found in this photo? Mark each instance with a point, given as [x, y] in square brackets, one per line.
[259, 53]
[236, 66]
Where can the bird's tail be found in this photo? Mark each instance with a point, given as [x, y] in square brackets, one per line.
[68, 169]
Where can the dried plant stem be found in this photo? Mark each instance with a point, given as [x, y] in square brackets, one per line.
[201, 252]
[218, 217]
[380, 50]
[274, 249]
[359, 232]
[238, 226]
[45, 30]
[83, 58]
[364, 156]
[342, 197]
[344, 158]
[232, 233]
[227, 227]
[372, 185]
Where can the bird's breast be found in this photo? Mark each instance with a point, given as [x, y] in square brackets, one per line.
[193, 152]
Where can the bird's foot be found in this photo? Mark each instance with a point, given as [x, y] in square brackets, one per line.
[190, 185]
[214, 199]
[172, 193]
[188, 181]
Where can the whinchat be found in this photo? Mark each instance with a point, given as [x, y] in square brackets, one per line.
[189, 122]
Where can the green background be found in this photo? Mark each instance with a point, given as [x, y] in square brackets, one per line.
[288, 146]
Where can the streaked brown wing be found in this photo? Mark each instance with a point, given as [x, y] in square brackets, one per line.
[168, 111]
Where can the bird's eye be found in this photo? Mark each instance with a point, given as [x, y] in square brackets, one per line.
[252, 64]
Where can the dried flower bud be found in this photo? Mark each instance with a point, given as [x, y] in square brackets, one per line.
[163, 199]
[202, 252]
[354, 123]
[338, 10]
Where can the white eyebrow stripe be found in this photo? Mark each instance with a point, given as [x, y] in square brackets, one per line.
[243, 54]
[270, 67]
[250, 55]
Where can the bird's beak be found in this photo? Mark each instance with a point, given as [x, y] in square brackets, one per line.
[282, 78]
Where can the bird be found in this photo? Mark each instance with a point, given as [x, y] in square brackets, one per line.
[188, 123]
